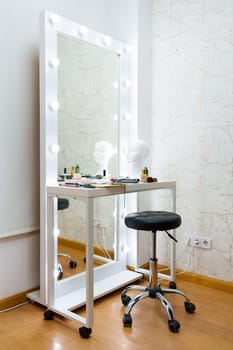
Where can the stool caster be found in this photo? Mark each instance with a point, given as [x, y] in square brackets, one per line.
[172, 285]
[125, 299]
[189, 307]
[127, 321]
[174, 326]
[73, 264]
[85, 332]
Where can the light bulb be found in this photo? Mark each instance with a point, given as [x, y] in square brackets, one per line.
[56, 274]
[107, 40]
[127, 83]
[55, 148]
[125, 248]
[83, 30]
[127, 49]
[127, 116]
[54, 62]
[54, 19]
[56, 232]
[123, 151]
[54, 105]
[123, 215]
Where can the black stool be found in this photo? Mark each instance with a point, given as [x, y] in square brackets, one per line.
[63, 203]
[154, 221]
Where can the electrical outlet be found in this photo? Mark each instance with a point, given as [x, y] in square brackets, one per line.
[206, 243]
[201, 242]
[195, 241]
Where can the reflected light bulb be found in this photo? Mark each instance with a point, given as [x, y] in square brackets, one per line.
[54, 19]
[54, 62]
[54, 105]
[55, 148]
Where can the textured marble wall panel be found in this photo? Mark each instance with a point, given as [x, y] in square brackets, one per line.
[192, 125]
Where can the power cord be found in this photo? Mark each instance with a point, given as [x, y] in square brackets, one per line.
[14, 307]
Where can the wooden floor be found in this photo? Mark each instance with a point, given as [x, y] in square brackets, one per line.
[209, 328]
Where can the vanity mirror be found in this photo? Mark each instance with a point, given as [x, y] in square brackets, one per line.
[88, 95]
[84, 102]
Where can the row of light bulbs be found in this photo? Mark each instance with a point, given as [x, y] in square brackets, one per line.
[83, 30]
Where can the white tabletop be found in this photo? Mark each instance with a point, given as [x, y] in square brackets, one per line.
[108, 190]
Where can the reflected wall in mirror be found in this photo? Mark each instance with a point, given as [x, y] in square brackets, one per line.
[71, 223]
[88, 94]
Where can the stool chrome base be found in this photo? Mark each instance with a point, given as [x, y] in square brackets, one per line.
[156, 293]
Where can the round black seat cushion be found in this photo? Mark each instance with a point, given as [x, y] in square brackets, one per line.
[62, 203]
[153, 220]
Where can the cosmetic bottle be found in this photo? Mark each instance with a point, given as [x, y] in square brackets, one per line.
[143, 175]
[73, 170]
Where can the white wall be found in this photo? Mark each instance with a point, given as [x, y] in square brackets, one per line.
[19, 110]
[192, 124]
[191, 127]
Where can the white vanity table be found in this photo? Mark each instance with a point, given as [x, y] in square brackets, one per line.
[84, 84]
[68, 294]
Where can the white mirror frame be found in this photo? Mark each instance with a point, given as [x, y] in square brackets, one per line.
[51, 25]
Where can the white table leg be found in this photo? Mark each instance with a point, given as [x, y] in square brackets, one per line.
[89, 263]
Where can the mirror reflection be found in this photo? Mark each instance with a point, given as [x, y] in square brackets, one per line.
[88, 94]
